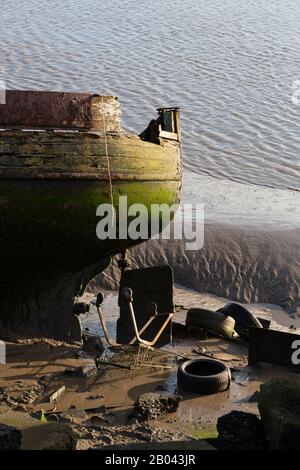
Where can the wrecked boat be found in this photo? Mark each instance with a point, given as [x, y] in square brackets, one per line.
[61, 156]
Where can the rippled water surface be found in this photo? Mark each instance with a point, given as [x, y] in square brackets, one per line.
[228, 64]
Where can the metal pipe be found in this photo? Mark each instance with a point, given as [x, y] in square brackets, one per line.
[110, 341]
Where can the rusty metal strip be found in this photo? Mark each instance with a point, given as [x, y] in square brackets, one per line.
[59, 110]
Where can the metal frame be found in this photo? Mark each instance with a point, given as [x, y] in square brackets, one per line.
[127, 294]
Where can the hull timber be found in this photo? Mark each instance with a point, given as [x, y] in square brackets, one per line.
[51, 182]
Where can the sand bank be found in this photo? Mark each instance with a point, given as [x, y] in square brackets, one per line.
[241, 264]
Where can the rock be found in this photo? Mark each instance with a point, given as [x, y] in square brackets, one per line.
[279, 407]
[54, 436]
[17, 395]
[37, 435]
[93, 344]
[152, 405]
[73, 415]
[97, 421]
[240, 431]
[108, 418]
[10, 438]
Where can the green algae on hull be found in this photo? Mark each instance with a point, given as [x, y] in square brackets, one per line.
[39, 219]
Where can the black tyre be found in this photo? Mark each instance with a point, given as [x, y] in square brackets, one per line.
[243, 319]
[203, 376]
[213, 322]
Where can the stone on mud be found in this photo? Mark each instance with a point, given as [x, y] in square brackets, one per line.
[240, 431]
[38, 435]
[10, 438]
[73, 415]
[153, 405]
[279, 407]
[18, 394]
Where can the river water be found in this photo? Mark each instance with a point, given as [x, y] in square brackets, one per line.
[230, 65]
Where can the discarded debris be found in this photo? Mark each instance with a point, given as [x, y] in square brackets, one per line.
[202, 352]
[213, 322]
[244, 319]
[264, 322]
[88, 369]
[203, 376]
[54, 396]
[43, 417]
[146, 306]
[136, 357]
[112, 363]
[153, 405]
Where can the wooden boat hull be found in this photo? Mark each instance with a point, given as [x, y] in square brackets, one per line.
[51, 184]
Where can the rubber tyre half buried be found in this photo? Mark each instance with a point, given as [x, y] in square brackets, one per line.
[243, 319]
[203, 376]
[213, 322]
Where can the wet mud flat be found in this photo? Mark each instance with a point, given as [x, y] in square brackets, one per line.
[248, 264]
[57, 397]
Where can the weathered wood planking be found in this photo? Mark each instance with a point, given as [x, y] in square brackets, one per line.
[83, 155]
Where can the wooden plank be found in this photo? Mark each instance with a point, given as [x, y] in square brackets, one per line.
[58, 156]
[54, 396]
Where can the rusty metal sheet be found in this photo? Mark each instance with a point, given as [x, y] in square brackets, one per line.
[274, 347]
[60, 110]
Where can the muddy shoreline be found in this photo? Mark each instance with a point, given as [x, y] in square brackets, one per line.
[248, 264]
[96, 412]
